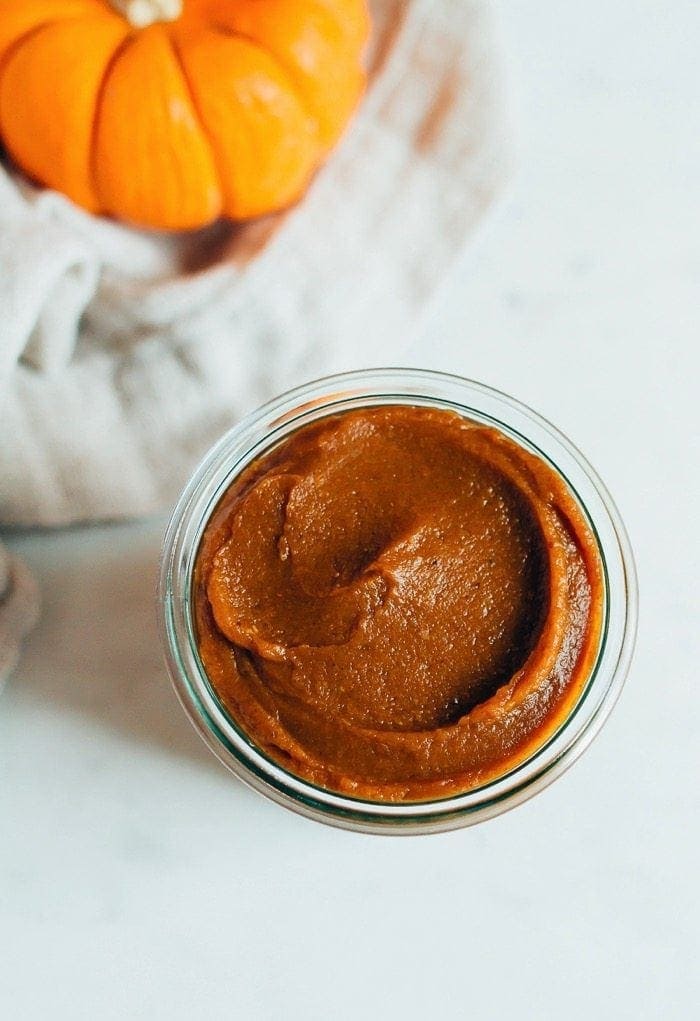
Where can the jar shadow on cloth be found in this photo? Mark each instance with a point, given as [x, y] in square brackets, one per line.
[96, 652]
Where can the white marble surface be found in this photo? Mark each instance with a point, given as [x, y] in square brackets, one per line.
[139, 880]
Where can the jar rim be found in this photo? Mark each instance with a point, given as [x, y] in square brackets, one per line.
[266, 427]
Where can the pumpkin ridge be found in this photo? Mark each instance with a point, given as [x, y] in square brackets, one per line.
[279, 64]
[9, 51]
[253, 185]
[44, 20]
[177, 56]
[5, 58]
[109, 67]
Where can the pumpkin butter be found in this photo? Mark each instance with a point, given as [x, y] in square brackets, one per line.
[398, 603]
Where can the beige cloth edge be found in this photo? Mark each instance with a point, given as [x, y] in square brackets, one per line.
[19, 609]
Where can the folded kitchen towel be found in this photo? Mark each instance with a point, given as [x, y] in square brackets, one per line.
[124, 353]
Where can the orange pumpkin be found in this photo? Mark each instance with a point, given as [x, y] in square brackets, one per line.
[171, 113]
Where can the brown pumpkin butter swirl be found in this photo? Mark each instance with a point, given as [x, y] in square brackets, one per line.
[398, 603]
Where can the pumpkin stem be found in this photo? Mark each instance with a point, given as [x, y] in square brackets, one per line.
[140, 13]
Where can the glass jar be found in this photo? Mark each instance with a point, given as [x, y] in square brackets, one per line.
[254, 436]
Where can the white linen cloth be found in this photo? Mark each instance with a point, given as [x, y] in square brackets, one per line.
[125, 353]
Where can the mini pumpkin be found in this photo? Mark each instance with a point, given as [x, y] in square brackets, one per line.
[171, 113]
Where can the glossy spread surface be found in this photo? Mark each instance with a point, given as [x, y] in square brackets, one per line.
[398, 603]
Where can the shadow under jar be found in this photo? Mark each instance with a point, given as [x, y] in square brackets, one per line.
[397, 601]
